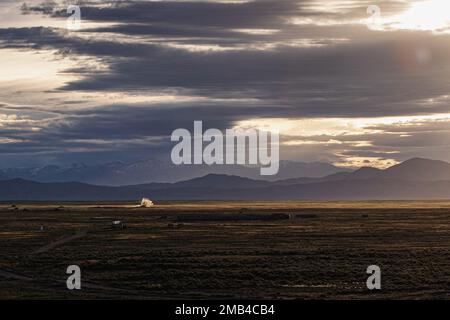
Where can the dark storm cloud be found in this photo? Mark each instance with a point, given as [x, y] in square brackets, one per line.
[201, 14]
[218, 21]
[297, 71]
[368, 78]
[254, 14]
[135, 128]
[369, 72]
[137, 131]
[137, 121]
[287, 75]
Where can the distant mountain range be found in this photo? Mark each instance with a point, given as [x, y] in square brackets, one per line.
[412, 179]
[119, 173]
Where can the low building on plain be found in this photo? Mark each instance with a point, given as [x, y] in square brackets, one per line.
[146, 203]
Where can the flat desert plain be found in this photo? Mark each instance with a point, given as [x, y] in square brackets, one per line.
[229, 250]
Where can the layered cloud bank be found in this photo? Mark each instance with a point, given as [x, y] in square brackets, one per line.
[338, 90]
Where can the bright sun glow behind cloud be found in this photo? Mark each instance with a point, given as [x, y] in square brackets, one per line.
[429, 15]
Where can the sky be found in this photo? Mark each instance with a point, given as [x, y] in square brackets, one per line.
[350, 82]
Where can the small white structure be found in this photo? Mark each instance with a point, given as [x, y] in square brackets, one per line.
[146, 203]
[117, 224]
